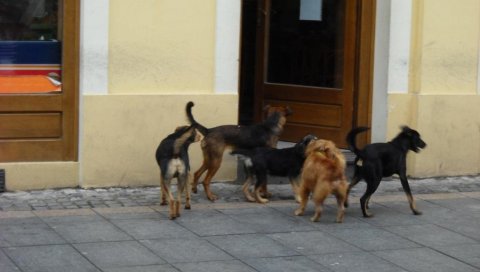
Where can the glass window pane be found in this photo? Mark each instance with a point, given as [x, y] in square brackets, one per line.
[30, 47]
[306, 48]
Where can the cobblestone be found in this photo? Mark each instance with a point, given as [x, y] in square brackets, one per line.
[74, 198]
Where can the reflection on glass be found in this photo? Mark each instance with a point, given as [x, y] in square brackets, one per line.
[30, 50]
[306, 48]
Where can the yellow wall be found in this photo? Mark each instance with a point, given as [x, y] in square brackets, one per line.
[445, 46]
[122, 132]
[161, 46]
[442, 100]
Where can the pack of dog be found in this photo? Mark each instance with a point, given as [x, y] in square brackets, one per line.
[323, 174]
[263, 161]
[379, 160]
[314, 166]
[217, 139]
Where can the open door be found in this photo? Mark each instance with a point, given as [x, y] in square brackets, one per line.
[306, 59]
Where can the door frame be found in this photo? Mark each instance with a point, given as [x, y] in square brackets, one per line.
[363, 89]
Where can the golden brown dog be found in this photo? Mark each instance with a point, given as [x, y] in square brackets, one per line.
[217, 139]
[323, 174]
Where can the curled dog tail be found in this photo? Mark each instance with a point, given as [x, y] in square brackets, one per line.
[192, 120]
[351, 139]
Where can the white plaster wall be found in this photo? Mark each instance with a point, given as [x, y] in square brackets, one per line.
[380, 79]
[227, 46]
[94, 22]
[400, 40]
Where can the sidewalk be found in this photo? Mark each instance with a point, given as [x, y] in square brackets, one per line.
[126, 230]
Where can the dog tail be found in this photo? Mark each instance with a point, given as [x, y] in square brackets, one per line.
[351, 136]
[245, 155]
[192, 120]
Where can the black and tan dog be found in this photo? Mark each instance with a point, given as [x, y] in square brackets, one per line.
[379, 160]
[323, 174]
[172, 158]
[263, 161]
[217, 139]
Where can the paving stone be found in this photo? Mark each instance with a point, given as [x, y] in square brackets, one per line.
[6, 265]
[204, 224]
[28, 234]
[313, 242]
[467, 253]
[89, 231]
[430, 235]
[216, 266]
[186, 250]
[52, 258]
[145, 268]
[355, 261]
[118, 254]
[424, 260]
[251, 246]
[143, 229]
[373, 239]
[286, 264]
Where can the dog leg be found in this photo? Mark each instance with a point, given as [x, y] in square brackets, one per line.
[294, 184]
[354, 182]
[406, 188]
[342, 197]
[212, 170]
[372, 186]
[246, 189]
[187, 192]
[303, 195]
[322, 190]
[170, 198]
[163, 195]
[258, 196]
[197, 176]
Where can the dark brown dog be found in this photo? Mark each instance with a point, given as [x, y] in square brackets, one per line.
[217, 139]
[323, 174]
[172, 158]
[379, 160]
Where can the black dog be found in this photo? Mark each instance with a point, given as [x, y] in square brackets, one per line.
[172, 158]
[261, 161]
[379, 160]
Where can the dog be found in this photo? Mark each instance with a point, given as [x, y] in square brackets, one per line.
[379, 160]
[323, 174]
[262, 161]
[217, 139]
[172, 158]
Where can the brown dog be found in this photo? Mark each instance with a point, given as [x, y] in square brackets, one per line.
[217, 139]
[323, 174]
[172, 158]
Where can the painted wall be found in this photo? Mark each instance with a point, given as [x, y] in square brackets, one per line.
[441, 98]
[165, 46]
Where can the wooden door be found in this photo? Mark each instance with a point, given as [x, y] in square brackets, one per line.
[306, 60]
[40, 124]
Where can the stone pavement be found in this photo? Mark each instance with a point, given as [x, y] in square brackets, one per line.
[126, 230]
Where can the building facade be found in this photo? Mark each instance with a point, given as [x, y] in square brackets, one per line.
[129, 67]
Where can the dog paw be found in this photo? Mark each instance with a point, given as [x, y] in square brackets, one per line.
[417, 212]
[163, 203]
[298, 212]
[194, 190]
[314, 218]
[188, 207]
[212, 197]
[172, 217]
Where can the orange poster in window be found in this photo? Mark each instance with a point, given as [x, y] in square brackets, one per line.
[29, 84]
